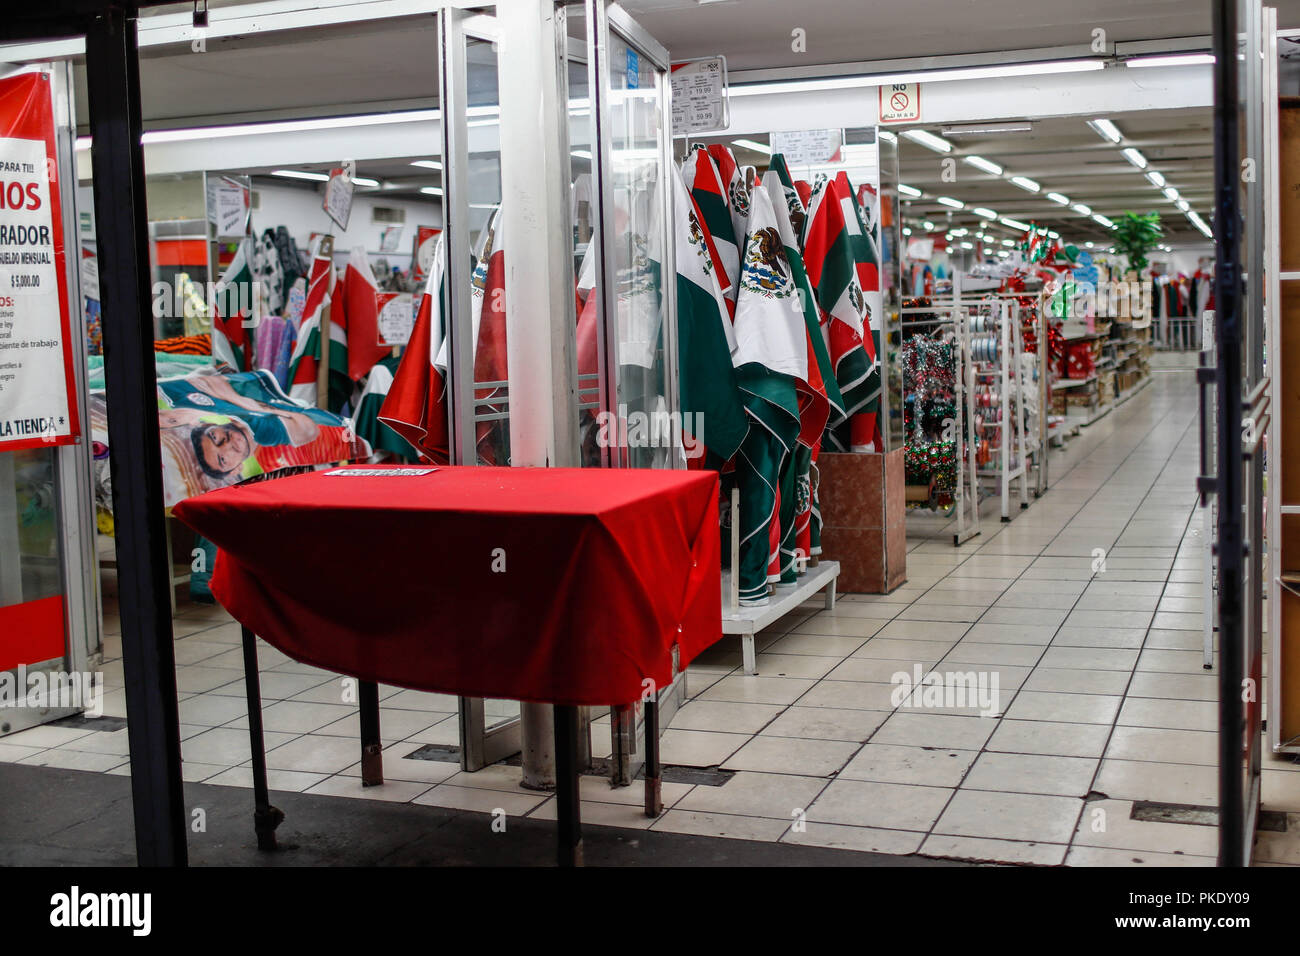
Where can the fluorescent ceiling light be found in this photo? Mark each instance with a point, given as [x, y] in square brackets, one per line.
[909, 190]
[959, 232]
[1052, 234]
[1008, 242]
[949, 201]
[979, 162]
[922, 76]
[907, 231]
[754, 145]
[365, 181]
[1174, 59]
[1015, 224]
[431, 190]
[1183, 205]
[1156, 179]
[1171, 194]
[1087, 245]
[1106, 130]
[967, 245]
[1199, 223]
[985, 128]
[1134, 157]
[1003, 254]
[1058, 198]
[581, 154]
[928, 140]
[300, 174]
[427, 164]
[1025, 183]
[984, 213]
[1082, 209]
[1099, 218]
[928, 225]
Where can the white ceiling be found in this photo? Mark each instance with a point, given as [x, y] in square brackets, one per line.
[756, 34]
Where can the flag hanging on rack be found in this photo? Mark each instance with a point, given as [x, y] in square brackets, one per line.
[305, 363]
[864, 429]
[707, 189]
[710, 397]
[488, 331]
[415, 406]
[833, 274]
[771, 357]
[234, 311]
[779, 172]
[359, 315]
[819, 395]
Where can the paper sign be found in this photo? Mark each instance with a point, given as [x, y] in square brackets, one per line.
[700, 96]
[228, 207]
[633, 69]
[389, 237]
[338, 195]
[379, 472]
[426, 240]
[900, 102]
[396, 317]
[806, 147]
[37, 393]
[89, 274]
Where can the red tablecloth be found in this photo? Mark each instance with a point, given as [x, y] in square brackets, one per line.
[399, 580]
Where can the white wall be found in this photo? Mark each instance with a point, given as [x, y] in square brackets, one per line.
[300, 210]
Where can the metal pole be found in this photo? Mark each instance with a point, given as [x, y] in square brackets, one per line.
[148, 661]
[1227, 295]
[265, 817]
[567, 806]
[539, 277]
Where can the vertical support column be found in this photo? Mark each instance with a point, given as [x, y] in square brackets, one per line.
[1230, 534]
[143, 564]
[148, 660]
[540, 322]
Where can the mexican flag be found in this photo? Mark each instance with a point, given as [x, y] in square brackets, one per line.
[367, 422]
[736, 188]
[707, 188]
[712, 410]
[359, 316]
[771, 357]
[415, 406]
[304, 364]
[828, 250]
[234, 304]
[865, 427]
[778, 172]
[488, 319]
[819, 395]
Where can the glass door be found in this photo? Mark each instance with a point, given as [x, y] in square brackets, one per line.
[49, 621]
[479, 390]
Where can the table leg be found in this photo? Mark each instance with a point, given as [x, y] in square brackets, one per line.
[372, 751]
[568, 806]
[654, 803]
[265, 817]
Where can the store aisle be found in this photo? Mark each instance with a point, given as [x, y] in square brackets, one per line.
[1080, 620]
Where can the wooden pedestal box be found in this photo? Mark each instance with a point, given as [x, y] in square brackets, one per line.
[863, 508]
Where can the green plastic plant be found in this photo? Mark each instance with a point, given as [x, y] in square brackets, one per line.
[1135, 236]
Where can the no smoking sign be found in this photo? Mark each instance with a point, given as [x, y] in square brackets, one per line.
[900, 103]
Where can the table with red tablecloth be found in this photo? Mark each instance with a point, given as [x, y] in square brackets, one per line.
[553, 585]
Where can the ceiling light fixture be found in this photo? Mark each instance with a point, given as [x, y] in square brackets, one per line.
[986, 128]
[1171, 194]
[755, 145]
[928, 140]
[427, 164]
[984, 212]
[1134, 157]
[1156, 179]
[301, 174]
[365, 181]
[1015, 224]
[950, 202]
[906, 190]
[1106, 130]
[979, 162]
[922, 76]
[1199, 223]
[1082, 209]
[431, 190]
[1175, 59]
[1099, 218]
[1058, 198]
[1183, 205]
[1025, 183]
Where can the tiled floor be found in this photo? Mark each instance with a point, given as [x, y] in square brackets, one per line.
[1101, 695]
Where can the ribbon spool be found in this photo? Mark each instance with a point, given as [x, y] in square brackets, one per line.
[981, 322]
[984, 348]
